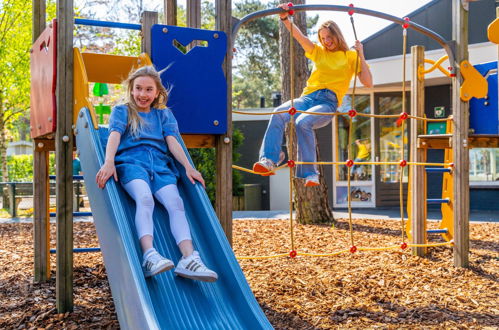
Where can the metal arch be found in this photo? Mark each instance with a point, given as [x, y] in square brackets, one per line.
[419, 28]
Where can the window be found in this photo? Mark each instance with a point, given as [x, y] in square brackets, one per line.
[484, 166]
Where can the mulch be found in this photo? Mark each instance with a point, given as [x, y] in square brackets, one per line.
[368, 289]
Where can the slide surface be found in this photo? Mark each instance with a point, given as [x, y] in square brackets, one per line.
[164, 301]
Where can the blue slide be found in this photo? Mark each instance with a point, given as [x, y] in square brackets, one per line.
[164, 301]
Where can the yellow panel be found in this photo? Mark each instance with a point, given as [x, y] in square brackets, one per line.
[448, 192]
[80, 89]
[112, 69]
[493, 31]
[474, 84]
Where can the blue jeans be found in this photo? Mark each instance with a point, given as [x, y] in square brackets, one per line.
[323, 100]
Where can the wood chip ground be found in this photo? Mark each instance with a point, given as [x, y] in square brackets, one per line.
[387, 289]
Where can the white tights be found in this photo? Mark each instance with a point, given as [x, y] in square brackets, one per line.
[168, 196]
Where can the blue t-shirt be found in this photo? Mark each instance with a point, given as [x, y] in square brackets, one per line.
[157, 125]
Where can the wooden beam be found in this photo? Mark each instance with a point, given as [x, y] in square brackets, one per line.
[223, 10]
[460, 142]
[64, 160]
[194, 13]
[418, 175]
[148, 19]
[484, 141]
[436, 141]
[41, 219]
[199, 140]
[39, 18]
[170, 12]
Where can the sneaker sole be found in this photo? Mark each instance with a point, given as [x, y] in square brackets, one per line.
[311, 184]
[160, 270]
[204, 277]
[262, 170]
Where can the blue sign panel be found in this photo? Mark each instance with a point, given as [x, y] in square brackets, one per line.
[192, 60]
[484, 113]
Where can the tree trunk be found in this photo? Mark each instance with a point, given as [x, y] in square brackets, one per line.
[311, 203]
[3, 145]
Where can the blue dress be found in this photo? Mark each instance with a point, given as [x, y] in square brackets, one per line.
[145, 156]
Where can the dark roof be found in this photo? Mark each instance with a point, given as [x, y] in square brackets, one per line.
[436, 16]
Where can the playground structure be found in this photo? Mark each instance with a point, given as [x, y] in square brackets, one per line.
[63, 143]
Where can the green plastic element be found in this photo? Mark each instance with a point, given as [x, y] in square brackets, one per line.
[100, 89]
[436, 128]
[102, 110]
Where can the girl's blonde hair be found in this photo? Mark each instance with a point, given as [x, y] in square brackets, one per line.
[134, 120]
[335, 31]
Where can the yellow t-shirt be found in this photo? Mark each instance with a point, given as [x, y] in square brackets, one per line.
[362, 152]
[332, 70]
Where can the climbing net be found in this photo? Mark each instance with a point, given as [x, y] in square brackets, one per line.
[351, 114]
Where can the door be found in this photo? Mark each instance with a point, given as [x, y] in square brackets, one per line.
[392, 146]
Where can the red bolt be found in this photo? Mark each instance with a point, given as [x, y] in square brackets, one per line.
[451, 165]
[353, 249]
[291, 163]
[403, 163]
[406, 25]
[234, 49]
[351, 11]
[349, 163]
[290, 11]
[404, 115]
[403, 246]
[292, 111]
[352, 113]
[293, 254]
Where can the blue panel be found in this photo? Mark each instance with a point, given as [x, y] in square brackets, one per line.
[164, 301]
[198, 95]
[484, 113]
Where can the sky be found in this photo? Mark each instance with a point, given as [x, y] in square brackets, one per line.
[364, 25]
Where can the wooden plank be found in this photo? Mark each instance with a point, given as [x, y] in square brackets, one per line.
[460, 141]
[41, 230]
[148, 19]
[223, 10]
[41, 217]
[64, 163]
[194, 14]
[39, 18]
[434, 142]
[484, 141]
[418, 175]
[199, 140]
[170, 12]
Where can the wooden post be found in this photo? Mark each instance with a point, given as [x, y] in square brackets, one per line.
[64, 161]
[418, 180]
[41, 200]
[460, 143]
[41, 195]
[194, 13]
[148, 19]
[223, 10]
[171, 12]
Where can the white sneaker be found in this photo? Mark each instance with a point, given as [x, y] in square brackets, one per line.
[193, 267]
[155, 264]
[312, 180]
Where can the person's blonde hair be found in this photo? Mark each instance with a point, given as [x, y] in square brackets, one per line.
[134, 120]
[335, 31]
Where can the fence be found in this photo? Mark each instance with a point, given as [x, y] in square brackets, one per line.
[17, 197]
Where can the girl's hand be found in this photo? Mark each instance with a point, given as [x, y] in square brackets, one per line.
[106, 171]
[286, 8]
[359, 47]
[193, 174]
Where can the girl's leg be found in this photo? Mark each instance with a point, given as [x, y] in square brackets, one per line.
[170, 198]
[272, 141]
[141, 193]
[305, 126]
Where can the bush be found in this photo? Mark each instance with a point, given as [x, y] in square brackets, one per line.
[20, 167]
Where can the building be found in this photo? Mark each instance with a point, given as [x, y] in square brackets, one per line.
[378, 186]
[20, 148]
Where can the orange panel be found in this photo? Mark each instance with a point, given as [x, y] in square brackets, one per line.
[43, 82]
[111, 69]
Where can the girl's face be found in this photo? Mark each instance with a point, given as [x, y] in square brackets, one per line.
[327, 39]
[144, 92]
